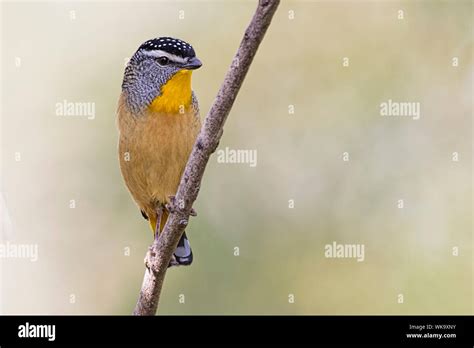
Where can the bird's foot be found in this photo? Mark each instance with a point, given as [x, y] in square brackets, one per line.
[171, 206]
[150, 255]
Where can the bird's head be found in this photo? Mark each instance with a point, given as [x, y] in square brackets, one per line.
[158, 75]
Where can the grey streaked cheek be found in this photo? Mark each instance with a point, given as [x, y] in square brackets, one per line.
[148, 65]
[148, 78]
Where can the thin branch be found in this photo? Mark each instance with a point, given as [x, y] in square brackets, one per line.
[161, 250]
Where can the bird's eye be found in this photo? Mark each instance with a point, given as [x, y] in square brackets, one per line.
[163, 61]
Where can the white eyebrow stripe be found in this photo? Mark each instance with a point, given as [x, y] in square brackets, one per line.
[160, 53]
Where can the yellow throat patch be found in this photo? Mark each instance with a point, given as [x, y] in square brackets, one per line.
[175, 94]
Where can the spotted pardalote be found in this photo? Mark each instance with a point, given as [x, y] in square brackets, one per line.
[158, 121]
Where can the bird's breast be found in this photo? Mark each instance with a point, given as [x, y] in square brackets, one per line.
[158, 145]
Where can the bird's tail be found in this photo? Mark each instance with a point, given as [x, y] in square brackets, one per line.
[183, 255]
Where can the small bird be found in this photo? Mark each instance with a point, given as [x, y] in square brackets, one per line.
[158, 121]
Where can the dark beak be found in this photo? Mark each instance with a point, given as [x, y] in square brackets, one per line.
[192, 64]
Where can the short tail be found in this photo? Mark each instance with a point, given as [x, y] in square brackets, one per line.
[183, 255]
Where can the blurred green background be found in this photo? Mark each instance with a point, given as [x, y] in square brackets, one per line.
[50, 54]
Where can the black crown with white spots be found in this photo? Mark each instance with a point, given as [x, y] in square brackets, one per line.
[170, 45]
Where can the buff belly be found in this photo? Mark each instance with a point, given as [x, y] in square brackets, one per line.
[153, 151]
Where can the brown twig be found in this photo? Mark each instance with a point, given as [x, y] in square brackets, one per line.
[161, 250]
